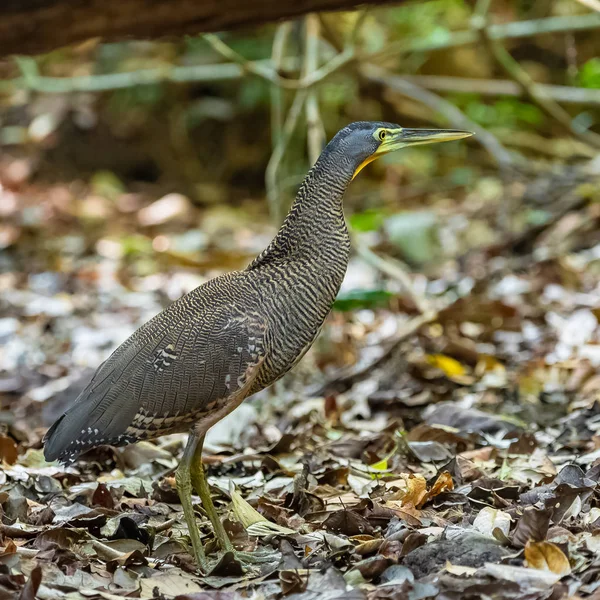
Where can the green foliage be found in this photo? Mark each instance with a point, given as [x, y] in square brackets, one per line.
[368, 220]
[360, 299]
[429, 20]
[136, 245]
[504, 112]
[589, 74]
[537, 216]
[463, 176]
[253, 93]
[339, 92]
[134, 98]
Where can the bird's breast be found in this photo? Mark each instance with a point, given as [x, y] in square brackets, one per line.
[297, 300]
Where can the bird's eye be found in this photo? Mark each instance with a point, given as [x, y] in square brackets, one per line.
[382, 135]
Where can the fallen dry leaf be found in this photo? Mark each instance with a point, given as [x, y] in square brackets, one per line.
[443, 483]
[489, 519]
[547, 556]
[8, 450]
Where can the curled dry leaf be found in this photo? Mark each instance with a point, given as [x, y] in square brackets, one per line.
[411, 489]
[489, 519]
[252, 520]
[29, 592]
[443, 483]
[532, 526]
[547, 556]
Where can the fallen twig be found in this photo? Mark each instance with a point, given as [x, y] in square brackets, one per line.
[27, 552]
[106, 551]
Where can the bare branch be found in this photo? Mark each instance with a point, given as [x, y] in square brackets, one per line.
[265, 69]
[536, 94]
[505, 31]
[504, 87]
[38, 26]
[449, 111]
[273, 191]
[591, 4]
[314, 123]
[277, 100]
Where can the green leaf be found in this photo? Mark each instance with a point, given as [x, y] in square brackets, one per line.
[589, 74]
[357, 299]
[369, 220]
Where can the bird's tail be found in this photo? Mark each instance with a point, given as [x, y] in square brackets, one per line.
[90, 422]
[64, 440]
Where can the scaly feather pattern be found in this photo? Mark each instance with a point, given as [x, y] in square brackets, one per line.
[188, 361]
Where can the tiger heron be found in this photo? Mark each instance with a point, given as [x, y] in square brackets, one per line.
[196, 361]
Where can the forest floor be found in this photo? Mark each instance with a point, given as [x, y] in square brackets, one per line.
[453, 454]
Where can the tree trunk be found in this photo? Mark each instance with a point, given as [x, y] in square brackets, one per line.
[38, 26]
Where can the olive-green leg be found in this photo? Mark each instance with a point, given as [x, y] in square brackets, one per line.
[200, 483]
[184, 489]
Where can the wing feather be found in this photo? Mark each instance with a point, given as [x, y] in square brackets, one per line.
[168, 371]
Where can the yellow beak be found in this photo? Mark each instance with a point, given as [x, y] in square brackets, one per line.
[401, 138]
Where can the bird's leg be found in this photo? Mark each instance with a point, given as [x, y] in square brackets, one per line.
[200, 483]
[184, 489]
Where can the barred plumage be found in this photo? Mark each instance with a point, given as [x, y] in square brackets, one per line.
[239, 332]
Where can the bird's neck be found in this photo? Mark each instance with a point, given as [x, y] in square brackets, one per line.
[315, 222]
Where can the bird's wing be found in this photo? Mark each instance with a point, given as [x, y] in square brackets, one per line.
[171, 370]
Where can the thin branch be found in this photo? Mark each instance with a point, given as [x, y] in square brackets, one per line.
[514, 70]
[336, 63]
[591, 4]
[273, 192]
[504, 87]
[530, 141]
[255, 68]
[240, 66]
[269, 74]
[277, 101]
[448, 110]
[504, 31]
[117, 81]
[356, 29]
[314, 123]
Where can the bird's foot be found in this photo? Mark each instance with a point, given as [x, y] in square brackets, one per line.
[202, 561]
[258, 557]
[235, 563]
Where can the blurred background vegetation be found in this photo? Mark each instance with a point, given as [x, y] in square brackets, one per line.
[208, 127]
[139, 163]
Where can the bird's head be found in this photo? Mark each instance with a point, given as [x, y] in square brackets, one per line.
[364, 141]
